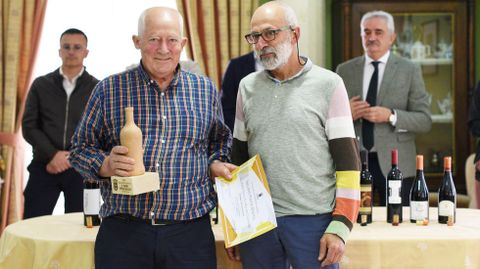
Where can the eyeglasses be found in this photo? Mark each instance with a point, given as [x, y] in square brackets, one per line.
[75, 47]
[267, 34]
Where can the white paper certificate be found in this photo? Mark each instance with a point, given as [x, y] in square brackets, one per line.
[246, 204]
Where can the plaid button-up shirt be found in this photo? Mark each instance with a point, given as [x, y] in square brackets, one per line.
[183, 132]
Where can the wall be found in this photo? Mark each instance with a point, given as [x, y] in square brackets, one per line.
[311, 18]
[313, 27]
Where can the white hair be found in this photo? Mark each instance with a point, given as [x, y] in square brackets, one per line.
[379, 14]
[141, 20]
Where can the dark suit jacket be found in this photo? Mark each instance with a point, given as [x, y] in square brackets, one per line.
[237, 69]
[474, 118]
[403, 90]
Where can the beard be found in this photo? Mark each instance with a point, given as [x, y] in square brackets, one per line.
[281, 54]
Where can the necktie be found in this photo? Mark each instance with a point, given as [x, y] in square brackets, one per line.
[367, 126]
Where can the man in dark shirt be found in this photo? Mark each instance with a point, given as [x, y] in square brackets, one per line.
[54, 106]
[237, 69]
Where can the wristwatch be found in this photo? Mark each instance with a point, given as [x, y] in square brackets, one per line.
[392, 119]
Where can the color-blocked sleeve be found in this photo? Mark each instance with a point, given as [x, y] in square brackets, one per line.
[344, 150]
[240, 144]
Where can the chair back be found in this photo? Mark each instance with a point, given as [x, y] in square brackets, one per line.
[470, 181]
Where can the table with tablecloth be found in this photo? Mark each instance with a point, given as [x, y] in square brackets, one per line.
[63, 242]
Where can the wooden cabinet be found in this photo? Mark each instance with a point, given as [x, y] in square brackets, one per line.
[437, 35]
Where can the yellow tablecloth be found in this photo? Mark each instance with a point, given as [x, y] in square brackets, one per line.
[62, 241]
[48, 242]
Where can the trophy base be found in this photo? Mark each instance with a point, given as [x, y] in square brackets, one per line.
[135, 185]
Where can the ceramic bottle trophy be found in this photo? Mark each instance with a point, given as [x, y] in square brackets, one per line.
[131, 137]
[139, 181]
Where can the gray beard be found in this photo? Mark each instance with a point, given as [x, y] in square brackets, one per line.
[282, 53]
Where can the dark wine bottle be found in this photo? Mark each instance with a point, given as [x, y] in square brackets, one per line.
[365, 213]
[419, 195]
[447, 194]
[91, 203]
[394, 187]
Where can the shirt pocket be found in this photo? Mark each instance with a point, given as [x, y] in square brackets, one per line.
[193, 126]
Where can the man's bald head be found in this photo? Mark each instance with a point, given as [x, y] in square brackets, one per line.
[165, 12]
[278, 10]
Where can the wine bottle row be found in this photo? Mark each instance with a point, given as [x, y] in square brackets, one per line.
[419, 195]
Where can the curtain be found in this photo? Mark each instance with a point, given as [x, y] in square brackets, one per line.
[215, 30]
[22, 22]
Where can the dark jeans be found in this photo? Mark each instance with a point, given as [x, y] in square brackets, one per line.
[379, 185]
[43, 190]
[126, 244]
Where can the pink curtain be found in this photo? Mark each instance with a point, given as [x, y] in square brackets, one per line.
[215, 30]
[22, 22]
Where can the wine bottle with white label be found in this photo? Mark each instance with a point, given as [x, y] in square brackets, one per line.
[419, 195]
[447, 194]
[91, 203]
[394, 187]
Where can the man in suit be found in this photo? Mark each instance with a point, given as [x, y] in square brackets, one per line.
[237, 69]
[388, 113]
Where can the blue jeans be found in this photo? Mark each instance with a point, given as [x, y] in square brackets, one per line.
[295, 242]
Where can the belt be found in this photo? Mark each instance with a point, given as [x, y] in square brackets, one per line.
[126, 218]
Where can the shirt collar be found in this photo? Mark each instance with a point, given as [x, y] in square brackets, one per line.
[382, 59]
[144, 75]
[60, 70]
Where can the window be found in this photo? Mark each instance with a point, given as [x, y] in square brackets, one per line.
[109, 26]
